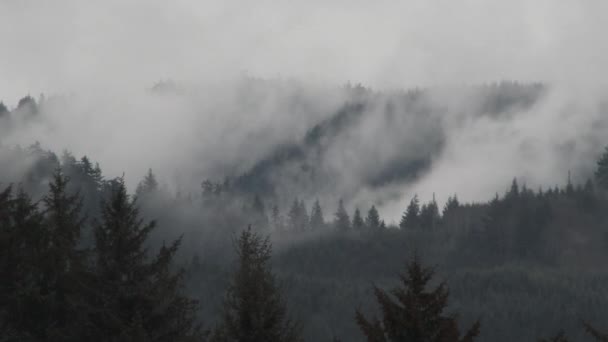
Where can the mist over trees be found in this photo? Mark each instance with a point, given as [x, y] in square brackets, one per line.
[91, 257]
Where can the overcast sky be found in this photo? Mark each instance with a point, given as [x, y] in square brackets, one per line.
[68, 45]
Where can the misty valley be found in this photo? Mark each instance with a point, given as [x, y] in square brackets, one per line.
[283, 211]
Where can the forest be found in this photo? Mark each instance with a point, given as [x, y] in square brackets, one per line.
[285, 249]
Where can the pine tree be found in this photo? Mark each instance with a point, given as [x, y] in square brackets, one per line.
[341, 219]
[372, 221]
[410, 219]
[601, 173]
[358, 223]
[429, 215]
[65, 269]
[24, 292]
[254, 309]
[316, 216]
[139, 294]
[298, 217]
[451, 205]
[148, 185]
[413, 313]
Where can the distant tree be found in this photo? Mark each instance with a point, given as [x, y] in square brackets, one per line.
[138, 296]
[513, 191]
[148, 185]
[254, 309]
[298, 216]
[372, 220]
[429, 215]
[316, 216]
[451, 205]
[277, 219]
[358, 223]
[27, 106]
[3, 110]
[341, 219]
[410, 218]
[413, 313]
[601, 173]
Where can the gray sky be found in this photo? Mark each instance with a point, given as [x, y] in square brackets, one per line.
[109, 51]
[69, 45]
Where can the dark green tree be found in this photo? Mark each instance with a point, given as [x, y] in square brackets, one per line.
[341, 219]
[65, 269]
[254, 309]
[148, 185]
[372, 220]
[410, 218]
[138, 295]
[429, 215]
[316, 216]
[358, 223]
[601, 173]
[411, 313]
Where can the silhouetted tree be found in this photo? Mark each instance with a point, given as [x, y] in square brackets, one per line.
[358, 223]
[138, 296]
[410, 218]
[341, 219]
[254, 309]
[148, 185]
[316, 216]
[601, 173]
[411, 313]
[372, 220]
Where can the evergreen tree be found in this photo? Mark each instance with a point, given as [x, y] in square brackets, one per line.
[451, 205]
[65, 270]
[413, 313]
[148, 185]
[372, 221]
[303, 219]
[316, 216]
[298, 217]
[139, 295]
[429, 215]
[341, 219]
[3, 110]
[410, 218]
[601, 173]
[358, 223]
[25, 293]
[254, 309]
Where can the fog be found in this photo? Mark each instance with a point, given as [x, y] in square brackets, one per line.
[98, 61]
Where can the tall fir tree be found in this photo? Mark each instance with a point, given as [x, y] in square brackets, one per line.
[358, 223]
[254, 309]
[316, 216]
[148, 185]
[341, 219]
[65, 270]
[372, 220]
[413, 313]
[601, 172]
[139, 295]
[410, 218]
